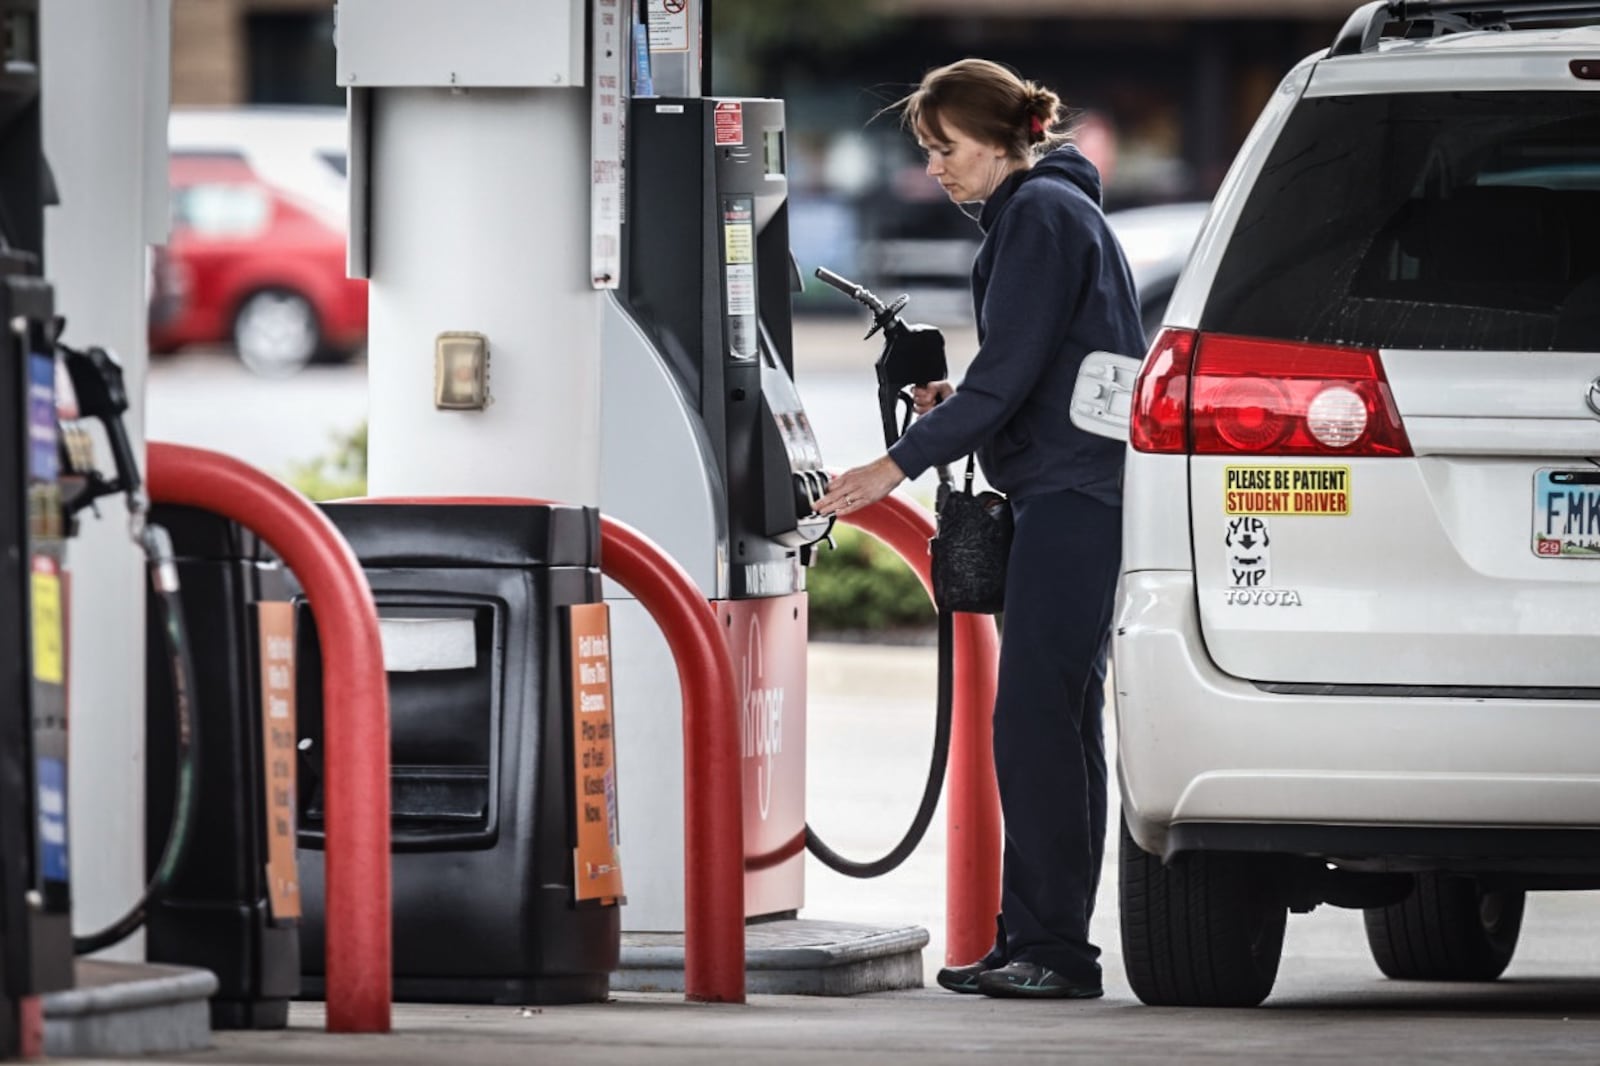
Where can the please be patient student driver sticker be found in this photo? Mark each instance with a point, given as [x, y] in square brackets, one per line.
[1286, 490]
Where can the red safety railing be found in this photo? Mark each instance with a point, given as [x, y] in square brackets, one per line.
[356, 701]
[713, 829]
[972, 800]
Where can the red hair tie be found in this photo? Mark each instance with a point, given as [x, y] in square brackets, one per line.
[1036, 127]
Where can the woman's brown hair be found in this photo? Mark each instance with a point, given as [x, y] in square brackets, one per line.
[987, 101]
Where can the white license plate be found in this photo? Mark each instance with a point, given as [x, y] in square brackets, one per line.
[1566, 514]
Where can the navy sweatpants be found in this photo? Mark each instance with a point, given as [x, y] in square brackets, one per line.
[1049, 748]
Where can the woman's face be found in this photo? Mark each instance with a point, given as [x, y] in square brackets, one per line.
[968, 169]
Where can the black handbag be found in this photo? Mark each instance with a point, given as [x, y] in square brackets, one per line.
[970, 547]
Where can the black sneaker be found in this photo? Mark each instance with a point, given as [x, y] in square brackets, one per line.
[964, 978]
[1029, 980]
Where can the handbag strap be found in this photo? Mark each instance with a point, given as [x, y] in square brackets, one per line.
[968, 485]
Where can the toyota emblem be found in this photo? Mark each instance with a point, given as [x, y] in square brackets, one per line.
[1592, 397]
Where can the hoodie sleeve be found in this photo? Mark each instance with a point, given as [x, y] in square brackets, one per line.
[1035, 284]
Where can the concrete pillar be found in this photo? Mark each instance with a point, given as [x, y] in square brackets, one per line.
[105, 76]
[480, 224]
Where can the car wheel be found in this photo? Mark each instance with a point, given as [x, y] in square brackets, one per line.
[275, 332]
[1205, 930]
[1448, 929]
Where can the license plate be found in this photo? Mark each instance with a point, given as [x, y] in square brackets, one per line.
[1566, 514]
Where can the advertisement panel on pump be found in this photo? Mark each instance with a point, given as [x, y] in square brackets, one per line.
[768, 639]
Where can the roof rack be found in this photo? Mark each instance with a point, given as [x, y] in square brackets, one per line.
[1433, 18]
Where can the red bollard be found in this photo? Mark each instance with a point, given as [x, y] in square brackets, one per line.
[356, 694]
[972, 799]
[713, 798]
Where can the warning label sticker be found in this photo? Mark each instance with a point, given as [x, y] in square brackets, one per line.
[728, 122]
[739, 243]
[669, 25]
[49, 649]
[1287, 490]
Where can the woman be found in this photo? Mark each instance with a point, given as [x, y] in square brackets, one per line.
[1049, 285]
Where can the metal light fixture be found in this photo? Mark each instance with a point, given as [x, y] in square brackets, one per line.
[461, 371]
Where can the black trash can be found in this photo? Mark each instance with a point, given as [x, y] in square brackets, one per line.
[477, 604]
[220, 914]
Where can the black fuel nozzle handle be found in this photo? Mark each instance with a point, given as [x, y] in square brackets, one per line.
[97, 382]
[912, 354]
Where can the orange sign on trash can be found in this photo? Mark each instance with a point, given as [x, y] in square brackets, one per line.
[276, 624]
[597, 867]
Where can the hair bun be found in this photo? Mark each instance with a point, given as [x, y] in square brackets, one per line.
[1042, 108]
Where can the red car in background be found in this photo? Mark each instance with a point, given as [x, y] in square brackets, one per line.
[251, 261]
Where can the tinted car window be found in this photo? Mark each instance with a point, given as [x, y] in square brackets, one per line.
[221, 210]
[1427, 220]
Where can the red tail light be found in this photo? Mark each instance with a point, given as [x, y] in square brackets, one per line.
[1160, 418]
[1260, 397]
[1221, 395]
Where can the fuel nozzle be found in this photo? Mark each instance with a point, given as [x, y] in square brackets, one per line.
[913, 353]
[97, 384]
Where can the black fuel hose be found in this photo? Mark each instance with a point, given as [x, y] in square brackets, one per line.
[886, 317]
[180, 657]
[930, 789]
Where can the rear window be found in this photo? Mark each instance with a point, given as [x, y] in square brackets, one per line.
[221, 210]
[1425, 220]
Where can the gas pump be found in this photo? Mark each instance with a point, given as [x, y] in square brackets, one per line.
[48, 477]
[35, 896]
[488, 293]
[698, 371]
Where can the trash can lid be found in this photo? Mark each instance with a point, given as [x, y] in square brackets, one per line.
[474, 535]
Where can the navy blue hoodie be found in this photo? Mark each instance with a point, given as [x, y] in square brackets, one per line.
[1049, 285]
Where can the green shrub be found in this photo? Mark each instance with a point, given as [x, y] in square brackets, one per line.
[340, 474]
[861, 584]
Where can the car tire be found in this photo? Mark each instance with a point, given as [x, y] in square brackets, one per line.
[276, 332]
[1205, 930]
[1448, 929]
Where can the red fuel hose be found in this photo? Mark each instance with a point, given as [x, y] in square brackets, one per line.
[972, 799]
[356, 699]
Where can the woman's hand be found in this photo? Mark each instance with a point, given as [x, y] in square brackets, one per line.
[855, 489]
[924, 397]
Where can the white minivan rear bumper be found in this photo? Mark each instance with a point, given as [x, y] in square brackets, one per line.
[1196, 747]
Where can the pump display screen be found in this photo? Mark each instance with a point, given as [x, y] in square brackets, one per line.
[773, 143]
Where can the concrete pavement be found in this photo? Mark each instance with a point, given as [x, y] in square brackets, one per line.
[870, 730]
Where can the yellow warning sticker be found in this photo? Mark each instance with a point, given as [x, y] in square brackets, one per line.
[48, 654]
[740, 240]
[1286, 490]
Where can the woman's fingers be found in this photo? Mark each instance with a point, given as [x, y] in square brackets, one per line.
[860, 486]
[925, 398]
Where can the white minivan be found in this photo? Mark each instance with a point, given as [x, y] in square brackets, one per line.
[1357, 646]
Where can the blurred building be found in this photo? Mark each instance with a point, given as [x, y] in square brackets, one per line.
[230, 52]
[1164, 92]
